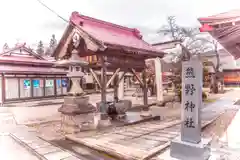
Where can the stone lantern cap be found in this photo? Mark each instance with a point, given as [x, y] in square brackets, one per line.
[74, 60]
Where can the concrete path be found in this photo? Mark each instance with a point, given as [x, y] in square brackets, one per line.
[11, 150]
[231, 138]
[19, 140]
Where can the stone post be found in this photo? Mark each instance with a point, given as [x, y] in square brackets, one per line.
[190, 145]
[158, 76]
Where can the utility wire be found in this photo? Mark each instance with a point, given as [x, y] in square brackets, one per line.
[51, 10]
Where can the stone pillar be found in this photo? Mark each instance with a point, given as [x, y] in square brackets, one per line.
[158, 76]
[190, 145]
[121, 86]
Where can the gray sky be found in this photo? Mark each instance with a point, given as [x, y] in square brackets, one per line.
[28, 21]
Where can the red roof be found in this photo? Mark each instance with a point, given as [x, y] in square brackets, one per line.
[20, 54]
[21, 59]
[226, 15]
[226, 30]
[112, 34]
[29, 69]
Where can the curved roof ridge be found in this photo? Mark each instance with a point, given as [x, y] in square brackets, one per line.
[135, 31]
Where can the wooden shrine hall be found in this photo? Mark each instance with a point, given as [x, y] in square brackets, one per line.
[113, 47]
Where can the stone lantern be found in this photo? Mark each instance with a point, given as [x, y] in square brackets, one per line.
[77, 113]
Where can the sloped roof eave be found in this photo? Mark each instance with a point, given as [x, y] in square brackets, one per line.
[62, 41]
[137, 50]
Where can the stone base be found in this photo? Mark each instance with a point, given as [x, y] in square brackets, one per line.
[189, 151]
[76, 123]
[104, 123]
[122, 106]
[146, 113]
[75, 105]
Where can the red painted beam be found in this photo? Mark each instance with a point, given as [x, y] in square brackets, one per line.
[206, 28]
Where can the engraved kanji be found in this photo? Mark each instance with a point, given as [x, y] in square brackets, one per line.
[189, 89]
[189, 123]
[189, 105]
[190, 73]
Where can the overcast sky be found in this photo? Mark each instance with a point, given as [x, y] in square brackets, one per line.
[28, 21]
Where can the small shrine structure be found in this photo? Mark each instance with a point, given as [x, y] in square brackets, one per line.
[113, 47]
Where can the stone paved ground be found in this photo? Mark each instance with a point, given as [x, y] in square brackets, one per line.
[225, 129]
[8, 146]
[16, 140]
[50, 112]
[137, 141]
[28, 138]
[16, 134]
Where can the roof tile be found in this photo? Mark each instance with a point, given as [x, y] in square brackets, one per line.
[111, 34]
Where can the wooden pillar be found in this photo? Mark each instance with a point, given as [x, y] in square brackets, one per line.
[31, 88]
[145, 89]
[115, 87]
[103, 81]
[121, 86]
[3, 89]
[44, 87]
[19, 88]
[145, 111]
[55, 86]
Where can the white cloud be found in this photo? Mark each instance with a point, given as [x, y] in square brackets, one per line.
[29, 21]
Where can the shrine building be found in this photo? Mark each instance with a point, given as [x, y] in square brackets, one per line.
[109, 48]
[25, 75]
[225, 28]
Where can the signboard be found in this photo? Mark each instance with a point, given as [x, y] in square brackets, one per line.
[36, 83]
[49, 83]
[26, 84]
[41, 83]
[59, 83]
[192, 72]
[64, 83]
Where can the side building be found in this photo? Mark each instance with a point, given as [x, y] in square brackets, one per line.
[25, 75]
[228, 65]
[225, 28]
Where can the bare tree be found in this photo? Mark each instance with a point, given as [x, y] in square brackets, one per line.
[192, 42]
[216, 79]
[191, 37]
